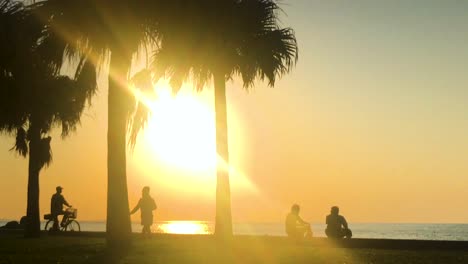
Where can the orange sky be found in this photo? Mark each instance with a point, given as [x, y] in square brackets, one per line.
[372, 119]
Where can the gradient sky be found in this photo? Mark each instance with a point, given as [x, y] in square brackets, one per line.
[372, 119]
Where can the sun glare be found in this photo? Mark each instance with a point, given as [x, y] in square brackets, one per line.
[179, 141]
[181, 130]
[184, 227]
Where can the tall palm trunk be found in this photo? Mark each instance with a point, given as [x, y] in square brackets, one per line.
[223, 225]
[118, 217]
[33, 224]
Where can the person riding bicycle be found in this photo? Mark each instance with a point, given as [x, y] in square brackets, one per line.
[56, 208]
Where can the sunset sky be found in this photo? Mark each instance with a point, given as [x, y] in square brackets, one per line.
[374, 119]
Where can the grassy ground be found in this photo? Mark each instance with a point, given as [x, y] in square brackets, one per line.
[186, 249]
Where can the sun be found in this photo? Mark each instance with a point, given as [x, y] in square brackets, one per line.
[181, 130]
[178, 145]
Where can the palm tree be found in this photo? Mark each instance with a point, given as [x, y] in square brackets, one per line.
[34, 97]
[114, 32]
[217, 40]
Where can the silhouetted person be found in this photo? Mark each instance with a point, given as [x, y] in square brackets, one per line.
[15, 224]
[146, 206]
[296, 227]
[337, 227]
[23, 221]
[11, 225]
[56, 208]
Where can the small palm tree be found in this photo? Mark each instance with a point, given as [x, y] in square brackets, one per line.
[34, 97]
[218, 40]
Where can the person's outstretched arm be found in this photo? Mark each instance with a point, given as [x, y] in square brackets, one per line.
[299, 219]
[136, 207]
[344, 223]
[65, 202]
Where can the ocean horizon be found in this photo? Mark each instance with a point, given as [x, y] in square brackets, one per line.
[438, 231]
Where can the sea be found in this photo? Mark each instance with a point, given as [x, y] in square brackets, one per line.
[458, 232]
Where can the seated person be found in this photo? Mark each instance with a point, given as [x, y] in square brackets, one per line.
[296, 227]
[56, 208]
[337, 227]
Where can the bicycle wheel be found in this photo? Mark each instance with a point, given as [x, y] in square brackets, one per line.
[49, 225]
[73, 226]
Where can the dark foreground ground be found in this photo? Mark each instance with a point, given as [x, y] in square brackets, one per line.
[89, 248]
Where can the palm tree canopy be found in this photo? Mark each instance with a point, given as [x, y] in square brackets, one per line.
[100, 28]
[100, 25]
[32, 91]
[235, 37]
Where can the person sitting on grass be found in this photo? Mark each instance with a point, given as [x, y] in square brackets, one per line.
[337, 227]
[297, 228]
[146, 206]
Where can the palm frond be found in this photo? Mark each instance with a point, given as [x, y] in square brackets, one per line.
[137, 122]
[240, 37]
[44, 152]
[142, 80]
[21, 144]
[138, 117]
[86, 80]
[267, 56]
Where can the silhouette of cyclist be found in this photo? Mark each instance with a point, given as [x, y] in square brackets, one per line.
[56, 208]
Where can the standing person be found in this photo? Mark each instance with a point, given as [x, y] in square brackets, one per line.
[56, 207]
[146, 205]
[296, 227]
[337, 227]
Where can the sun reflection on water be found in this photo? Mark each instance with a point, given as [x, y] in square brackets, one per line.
[184, 227]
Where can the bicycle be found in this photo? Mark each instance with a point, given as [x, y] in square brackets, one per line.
[70, 224]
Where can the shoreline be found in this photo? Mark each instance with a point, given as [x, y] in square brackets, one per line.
[440, 232]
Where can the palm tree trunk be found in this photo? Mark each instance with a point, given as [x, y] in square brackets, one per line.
[118, 217]
[33, 224]
[223, 223]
